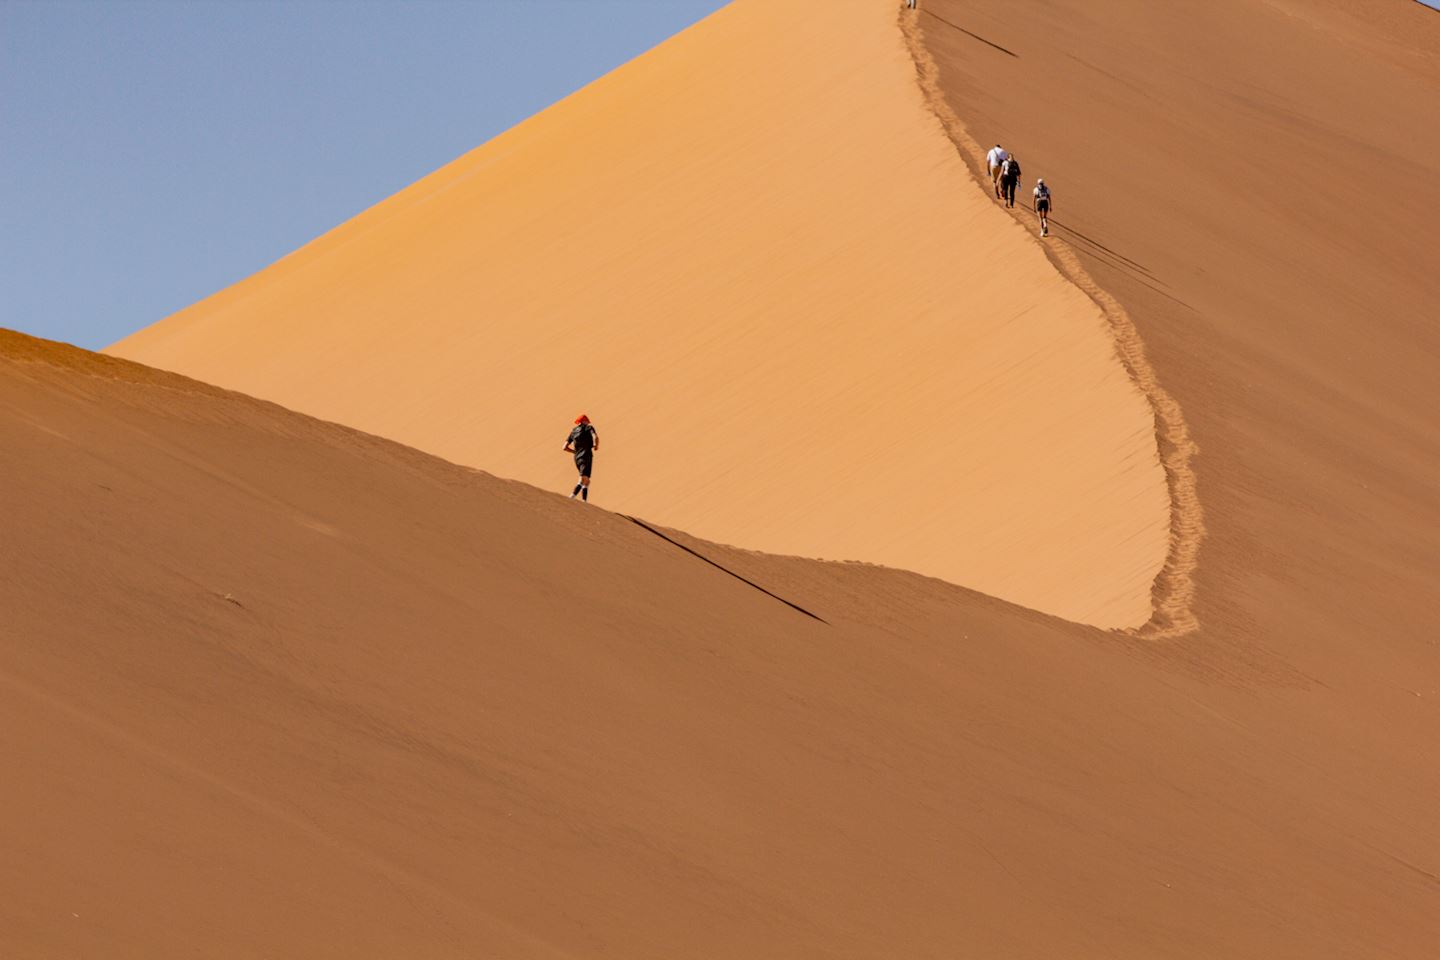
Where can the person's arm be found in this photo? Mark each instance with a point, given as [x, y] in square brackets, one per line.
[595, 439]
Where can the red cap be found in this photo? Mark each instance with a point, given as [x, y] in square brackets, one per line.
[582, 419]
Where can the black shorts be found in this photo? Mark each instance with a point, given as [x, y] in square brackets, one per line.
[584, 459]
[1042, 206]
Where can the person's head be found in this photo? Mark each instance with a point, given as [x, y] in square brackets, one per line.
[582, 419]
[998, 147]
[1039, 181]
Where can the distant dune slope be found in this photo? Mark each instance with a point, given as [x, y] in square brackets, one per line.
[1257, 181]
[754, 258]
[271, 687]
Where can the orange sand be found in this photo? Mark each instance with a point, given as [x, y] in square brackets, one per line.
[761, 267]
[269, 687]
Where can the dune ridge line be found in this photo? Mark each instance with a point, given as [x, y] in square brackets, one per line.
[1173, 593]
[797, 327]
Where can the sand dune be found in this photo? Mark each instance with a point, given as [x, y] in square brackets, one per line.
[269, 686]
[272, 687]
[1266, 233]
[759, 265]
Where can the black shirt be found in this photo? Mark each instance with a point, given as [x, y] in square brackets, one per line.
[582, 438]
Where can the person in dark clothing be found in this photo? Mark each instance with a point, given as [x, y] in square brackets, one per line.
[584, 443]
[1043, 202]
[1009, 180]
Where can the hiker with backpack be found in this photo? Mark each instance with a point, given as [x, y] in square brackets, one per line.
[1043, 204]
[584, 443]
[1009, 179]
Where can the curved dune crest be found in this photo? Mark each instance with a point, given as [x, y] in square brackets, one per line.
[755, 259]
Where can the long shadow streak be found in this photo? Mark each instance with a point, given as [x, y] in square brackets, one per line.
[956, 26]
[1096, 243]
[1117, 260]
[752, 583]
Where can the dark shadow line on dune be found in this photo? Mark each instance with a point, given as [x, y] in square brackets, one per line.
[1143, 279]
[1100, 247]
[1097, 244]
[752, 583]
[1134, 275]
[1117, 260]
[956, 26]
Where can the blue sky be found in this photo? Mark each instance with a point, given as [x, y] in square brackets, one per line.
[155, 151]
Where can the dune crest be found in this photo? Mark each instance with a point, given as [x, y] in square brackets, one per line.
[754, 258]
[1173, 593]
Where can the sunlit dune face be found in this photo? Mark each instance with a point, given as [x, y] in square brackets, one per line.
[762, 269]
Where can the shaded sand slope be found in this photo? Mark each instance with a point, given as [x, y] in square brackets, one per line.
[1292, 314]
[757, 262]
[1289, 305]
[272, 687]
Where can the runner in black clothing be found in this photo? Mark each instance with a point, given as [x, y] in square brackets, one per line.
[1043, 204]
[584, 442]
[1009, 180]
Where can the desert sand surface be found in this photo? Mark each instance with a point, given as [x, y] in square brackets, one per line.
[1253, 182]
[1256, 183]
[753, 257]
[271, 687]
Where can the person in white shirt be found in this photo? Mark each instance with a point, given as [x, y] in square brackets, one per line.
[995, 159]
[1042, 206]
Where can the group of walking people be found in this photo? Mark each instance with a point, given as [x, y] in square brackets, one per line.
[1004, 169]
[1005, 172]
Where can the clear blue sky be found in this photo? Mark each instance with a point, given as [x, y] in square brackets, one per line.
[152, 153]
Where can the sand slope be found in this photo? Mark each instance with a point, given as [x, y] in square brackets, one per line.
[753, 257]
[1290, 313]
[1268, 236]
[269, 687]
[446, 715]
